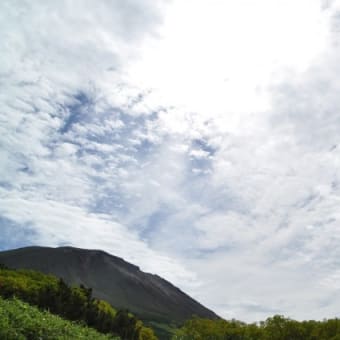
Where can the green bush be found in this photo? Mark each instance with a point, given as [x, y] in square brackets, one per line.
[20, 321]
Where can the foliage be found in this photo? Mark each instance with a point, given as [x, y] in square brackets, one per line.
[20, 321]
[274, 328]
[72, 303]
[164, 331]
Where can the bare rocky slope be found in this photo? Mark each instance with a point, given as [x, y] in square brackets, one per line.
[121, 283]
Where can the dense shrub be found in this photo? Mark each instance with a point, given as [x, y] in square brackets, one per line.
[73, 303]
[20, 321]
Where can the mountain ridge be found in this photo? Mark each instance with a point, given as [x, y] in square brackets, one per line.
[113, 279]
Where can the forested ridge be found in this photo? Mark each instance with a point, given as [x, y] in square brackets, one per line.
[277, 327]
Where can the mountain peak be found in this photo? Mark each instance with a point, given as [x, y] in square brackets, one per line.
[113, 279]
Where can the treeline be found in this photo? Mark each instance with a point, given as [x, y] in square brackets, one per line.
[274, 328]
[72, 303]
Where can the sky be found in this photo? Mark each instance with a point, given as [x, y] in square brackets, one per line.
[198, 139]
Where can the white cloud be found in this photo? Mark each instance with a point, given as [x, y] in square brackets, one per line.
[241, 185]
[60, 146]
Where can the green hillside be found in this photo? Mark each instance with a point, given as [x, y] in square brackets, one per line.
[20, 321]
[72, 303]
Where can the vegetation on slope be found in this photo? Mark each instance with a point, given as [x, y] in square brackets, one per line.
[72, 303]
[20, 321]
[274, 328]
[164, 331]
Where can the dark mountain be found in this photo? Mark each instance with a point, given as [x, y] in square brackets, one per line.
[122, 284]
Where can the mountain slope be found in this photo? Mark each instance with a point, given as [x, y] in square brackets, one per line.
[112, 279]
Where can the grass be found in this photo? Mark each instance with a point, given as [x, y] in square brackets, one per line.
[20, 321]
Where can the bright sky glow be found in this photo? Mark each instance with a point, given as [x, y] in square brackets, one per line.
[220, 56]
